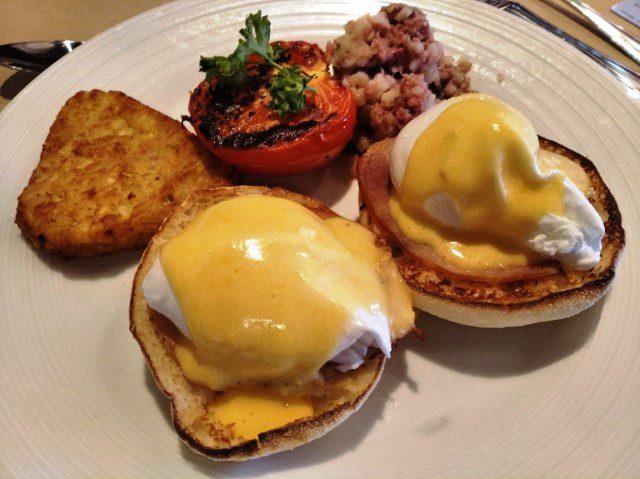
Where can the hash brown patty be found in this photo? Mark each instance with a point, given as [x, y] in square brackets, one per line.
[110, 171]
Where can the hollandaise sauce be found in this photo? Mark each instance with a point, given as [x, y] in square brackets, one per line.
[255, 411]
[478, 158]
[269, 290]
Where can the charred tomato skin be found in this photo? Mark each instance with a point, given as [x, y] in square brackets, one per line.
[239, 129]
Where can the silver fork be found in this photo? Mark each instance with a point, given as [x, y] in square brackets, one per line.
[627, 76]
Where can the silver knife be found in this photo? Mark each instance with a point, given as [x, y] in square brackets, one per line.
[627, 76]
[626, 42]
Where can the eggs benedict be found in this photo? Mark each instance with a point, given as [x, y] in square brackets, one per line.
[493, 225]
[265, 318]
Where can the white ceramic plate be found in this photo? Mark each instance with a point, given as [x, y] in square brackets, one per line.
[554, 400]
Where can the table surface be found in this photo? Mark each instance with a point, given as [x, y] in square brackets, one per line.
[25, 20]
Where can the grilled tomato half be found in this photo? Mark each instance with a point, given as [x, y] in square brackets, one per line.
[238, 127]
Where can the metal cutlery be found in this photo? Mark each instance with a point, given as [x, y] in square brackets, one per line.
[628, 43]
[35, 56]
[627, 76]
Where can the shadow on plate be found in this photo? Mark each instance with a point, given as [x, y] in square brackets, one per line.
[85, 268]
[15, 84]
[504, 352]
[337, 442]
[328, 184]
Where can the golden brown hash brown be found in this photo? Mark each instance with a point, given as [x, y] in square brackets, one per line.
[111, 169]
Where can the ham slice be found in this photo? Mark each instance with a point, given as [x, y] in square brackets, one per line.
[372, 172]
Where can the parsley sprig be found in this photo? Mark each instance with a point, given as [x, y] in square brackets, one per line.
[287, 86]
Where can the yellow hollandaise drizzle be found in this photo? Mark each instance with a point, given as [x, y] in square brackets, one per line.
[255, 411]
[463, 250]
[483, 156]
[548, 160]
[268, 289]
[361, 243]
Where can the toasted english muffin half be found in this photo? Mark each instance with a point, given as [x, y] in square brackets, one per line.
[335, 400]
[110, 171]
[550, 293]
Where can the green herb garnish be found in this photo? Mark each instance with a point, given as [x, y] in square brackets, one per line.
[287, 90]
[287, 87]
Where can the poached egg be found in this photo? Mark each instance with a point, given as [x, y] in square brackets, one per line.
[470, 179]
[265, 292]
